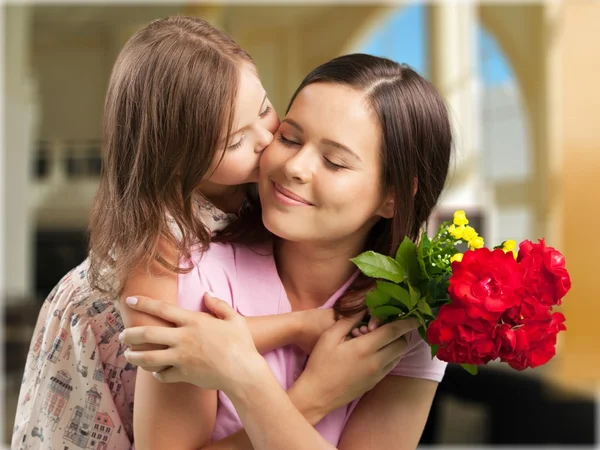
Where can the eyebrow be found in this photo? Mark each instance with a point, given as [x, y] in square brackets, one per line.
[325, 141]
[259, 110]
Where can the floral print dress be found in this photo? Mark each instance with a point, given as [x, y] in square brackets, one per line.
[77, 389]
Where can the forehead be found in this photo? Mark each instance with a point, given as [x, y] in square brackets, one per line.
[337, 112]
[249, 96]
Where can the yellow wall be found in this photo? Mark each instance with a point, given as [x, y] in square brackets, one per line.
[580, 117]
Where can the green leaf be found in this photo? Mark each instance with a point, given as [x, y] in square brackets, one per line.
[376, 298]
[422, 250]
[471, 368]
[383, 312]
[419, 316]
[407, 257]
[375, 265]
[396, 292]
[434, 349]
[415, 296]
[424, 308]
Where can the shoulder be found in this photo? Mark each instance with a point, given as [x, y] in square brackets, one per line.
[232, 273]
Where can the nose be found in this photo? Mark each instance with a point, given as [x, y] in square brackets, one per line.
[265, 137]
[299, 167]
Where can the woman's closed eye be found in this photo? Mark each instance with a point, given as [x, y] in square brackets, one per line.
[285, 141]
[333, 166]
[328, 162]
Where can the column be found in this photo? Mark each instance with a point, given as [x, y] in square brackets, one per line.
[453, 70]
[20, 111]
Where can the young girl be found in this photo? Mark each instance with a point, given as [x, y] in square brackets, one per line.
[186, 119]
[357, 164]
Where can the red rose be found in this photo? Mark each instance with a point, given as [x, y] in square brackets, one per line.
[485, 283]
[544, 273]
[461, 338]
[533, 342]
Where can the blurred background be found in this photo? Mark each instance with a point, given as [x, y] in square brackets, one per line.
[522, 84]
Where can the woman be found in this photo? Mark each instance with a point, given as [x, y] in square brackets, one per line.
[358, 163]
[180, 152]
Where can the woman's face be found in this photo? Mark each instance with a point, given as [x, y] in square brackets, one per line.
[255, 121]
[320, 178]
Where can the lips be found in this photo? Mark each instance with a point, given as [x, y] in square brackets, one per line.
[289, 195]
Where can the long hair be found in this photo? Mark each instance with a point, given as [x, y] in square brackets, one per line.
[167, 115]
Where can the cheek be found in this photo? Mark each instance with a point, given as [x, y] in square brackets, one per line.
[272, 157]
[356, 196]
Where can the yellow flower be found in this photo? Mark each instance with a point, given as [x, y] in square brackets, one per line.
[456, 257]
[476, 242]
[515, 253]
[456, 232]
[509, 245]
[469, 234]
[460, 218]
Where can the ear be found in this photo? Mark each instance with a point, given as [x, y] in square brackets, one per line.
[388, 208]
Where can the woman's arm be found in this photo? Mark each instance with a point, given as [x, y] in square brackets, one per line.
[339, 370]
[177, 416]
[391, 416]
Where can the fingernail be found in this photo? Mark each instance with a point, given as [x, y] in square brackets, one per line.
[211, 293]
[131, 300]
[121, 335]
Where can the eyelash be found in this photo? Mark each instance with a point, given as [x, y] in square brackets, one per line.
[238, 144]
[265, 112]
[328, 163]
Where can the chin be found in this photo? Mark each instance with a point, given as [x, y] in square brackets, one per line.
[283, 227]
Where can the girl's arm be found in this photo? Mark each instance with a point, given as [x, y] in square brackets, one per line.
[176, 416]
[300, 328]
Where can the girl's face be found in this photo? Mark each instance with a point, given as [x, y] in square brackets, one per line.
[255, 122]
[320, 178]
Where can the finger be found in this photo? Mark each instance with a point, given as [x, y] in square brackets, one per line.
[218, 307]
[154, 368]
[394, 350]
[150, 335]
[167, 376]
[387, 333]
[151, 358]
[356, 332]
[364, 329]
[374, 323]
[344, 326]
[158, 308]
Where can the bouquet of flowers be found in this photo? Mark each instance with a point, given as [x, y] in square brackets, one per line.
[474, 307]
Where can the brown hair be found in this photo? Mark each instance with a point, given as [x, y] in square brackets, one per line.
[416, 144]
[167, 114]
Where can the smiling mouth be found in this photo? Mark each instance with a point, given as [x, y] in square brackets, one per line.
[288, 197]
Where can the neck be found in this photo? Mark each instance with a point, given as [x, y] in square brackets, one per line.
[228, 199]
[312, 273]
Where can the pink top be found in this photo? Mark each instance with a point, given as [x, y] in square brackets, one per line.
[247, 279]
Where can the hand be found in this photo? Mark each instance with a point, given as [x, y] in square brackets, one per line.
[341, 369]
[374, 322]
[313, 323]
[210, 352]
